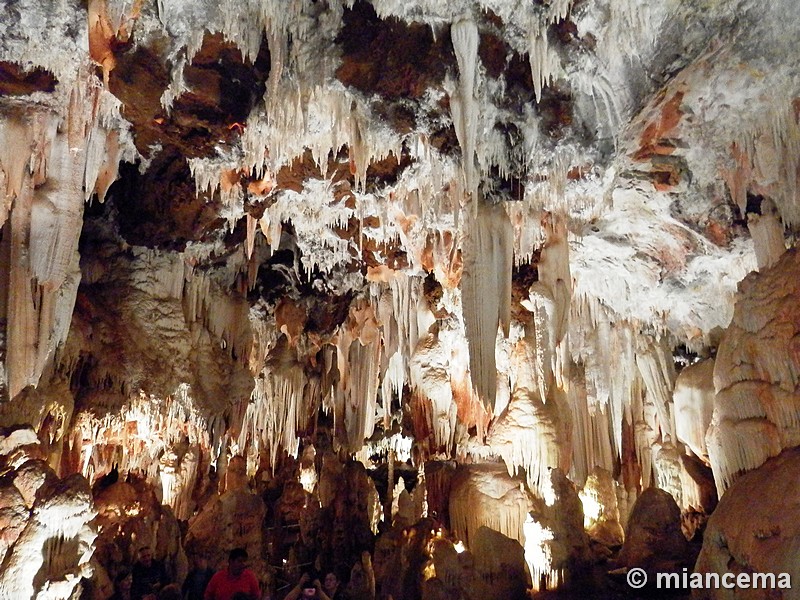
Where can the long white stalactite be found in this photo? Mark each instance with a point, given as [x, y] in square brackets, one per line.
[486, 293]
[464, 34]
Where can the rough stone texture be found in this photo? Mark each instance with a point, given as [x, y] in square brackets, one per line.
[129, 517]
[756, 529]
[653, 539]
[46, 534]
[401, 558]
[231, 520]
[494, 568]
[757, 373]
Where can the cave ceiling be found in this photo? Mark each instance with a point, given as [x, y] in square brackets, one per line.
[259, 200]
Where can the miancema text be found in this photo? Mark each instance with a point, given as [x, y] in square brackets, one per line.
[756, 581]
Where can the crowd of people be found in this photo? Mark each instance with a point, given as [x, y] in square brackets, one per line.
[148, 580]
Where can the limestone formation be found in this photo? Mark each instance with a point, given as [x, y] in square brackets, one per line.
[321, 278]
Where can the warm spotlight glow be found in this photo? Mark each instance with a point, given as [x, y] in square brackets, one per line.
[308, 479]
[538, 554]
[592, 509]
[548, 492]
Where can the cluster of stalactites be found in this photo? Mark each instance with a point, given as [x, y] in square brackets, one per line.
[282, 403]
[628, 379]
[766, 162]
[545, 62]
[76, 156]
[484, 495]
[160, 439]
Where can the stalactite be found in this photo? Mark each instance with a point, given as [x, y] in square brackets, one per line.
[358, 355]
[766, 159]
[486, 294]
[360, 404]
[658, 373]
[396, 306]
[529, 435]
[206, 302]
[484, 495]
[464, 34]
[693, 398]
[158, 438]
[281, 405]
[668, 469]
[767, 232]
[45, 222]
[545, 63]
[549, 301]
[430, 378]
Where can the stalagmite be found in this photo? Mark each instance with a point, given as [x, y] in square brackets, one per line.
[48, 550]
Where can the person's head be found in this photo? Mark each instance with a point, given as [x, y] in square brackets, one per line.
[200, 562]
[170, 592]
[308, 586]
[330, 583]
[146, 555]
[237, 561]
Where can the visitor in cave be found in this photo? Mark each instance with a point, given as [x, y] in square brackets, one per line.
[331, 585]
[234, 579]
[170, 592]
[122, 586]
[148, 575]
[309, 589]
[194, 586]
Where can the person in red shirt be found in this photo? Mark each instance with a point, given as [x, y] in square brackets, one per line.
[236, 579]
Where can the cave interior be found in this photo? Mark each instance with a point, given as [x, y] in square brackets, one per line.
[473, 300]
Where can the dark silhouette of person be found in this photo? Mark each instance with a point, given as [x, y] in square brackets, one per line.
[122, 586]
[194, 586]
[149, 576]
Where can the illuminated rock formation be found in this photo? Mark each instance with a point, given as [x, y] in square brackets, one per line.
[326, 277]
[756, 407]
